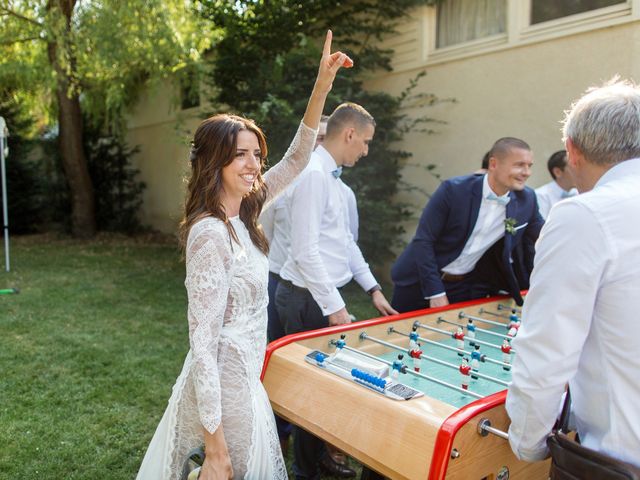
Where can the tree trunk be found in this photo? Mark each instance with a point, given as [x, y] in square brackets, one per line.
[74, 160]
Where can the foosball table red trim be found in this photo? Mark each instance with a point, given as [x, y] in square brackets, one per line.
[447, 432]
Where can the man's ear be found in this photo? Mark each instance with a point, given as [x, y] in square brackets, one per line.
[574, 155]
[348, 134]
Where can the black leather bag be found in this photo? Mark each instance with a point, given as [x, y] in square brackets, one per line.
[572, 461]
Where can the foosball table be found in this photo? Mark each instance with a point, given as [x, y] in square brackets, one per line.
[414, 396]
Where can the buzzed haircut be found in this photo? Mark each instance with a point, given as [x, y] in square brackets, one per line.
[504, 145]
[557, 160]
[348, 114]
[485, 160]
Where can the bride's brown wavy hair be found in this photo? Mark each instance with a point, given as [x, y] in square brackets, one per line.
[213, 148]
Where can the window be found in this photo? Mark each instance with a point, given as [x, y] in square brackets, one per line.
[545, 10]
[461, 21]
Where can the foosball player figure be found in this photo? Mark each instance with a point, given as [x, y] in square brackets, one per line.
[471, 332]
[416, 353]
[413, 337]
[397, 367]
[459, 338]
[475, 360]
[506, 353]
[464, 372]
[339, 345]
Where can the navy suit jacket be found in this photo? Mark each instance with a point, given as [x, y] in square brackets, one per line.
[447, 223]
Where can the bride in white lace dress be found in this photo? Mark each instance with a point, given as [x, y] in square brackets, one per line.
[218, 400]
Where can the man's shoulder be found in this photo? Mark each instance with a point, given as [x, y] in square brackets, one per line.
[462, 181]
[544, 189]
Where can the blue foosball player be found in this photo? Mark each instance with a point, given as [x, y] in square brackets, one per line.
[475, 360]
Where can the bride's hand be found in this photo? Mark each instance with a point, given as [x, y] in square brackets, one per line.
[330, 63]
[217, 467]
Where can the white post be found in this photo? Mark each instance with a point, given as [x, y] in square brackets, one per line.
[4, 150]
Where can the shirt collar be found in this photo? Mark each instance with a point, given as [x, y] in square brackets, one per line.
[486, 189]
[326, 160]
[620, 170]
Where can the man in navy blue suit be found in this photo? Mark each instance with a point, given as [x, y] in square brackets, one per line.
[476, 236]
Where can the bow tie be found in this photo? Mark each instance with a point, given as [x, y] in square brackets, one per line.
[500, 200]
[337, 172]
[569, 194]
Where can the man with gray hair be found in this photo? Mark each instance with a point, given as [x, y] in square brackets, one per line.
[579, 322]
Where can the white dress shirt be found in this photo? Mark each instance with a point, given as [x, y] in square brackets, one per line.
[276, 224]
[549, 194]
[323, 254]
[489, 228]
[580, 323]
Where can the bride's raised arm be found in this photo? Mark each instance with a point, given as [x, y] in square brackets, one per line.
[299, 152]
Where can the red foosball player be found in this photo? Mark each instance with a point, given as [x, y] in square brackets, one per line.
[465, 370]
[506, 352]
[415, 353]
[459, 337]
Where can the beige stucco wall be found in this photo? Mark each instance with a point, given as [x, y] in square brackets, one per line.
[520, 92]
[162, 131]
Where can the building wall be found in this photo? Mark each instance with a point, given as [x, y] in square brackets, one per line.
[518, 90]
[163, 131]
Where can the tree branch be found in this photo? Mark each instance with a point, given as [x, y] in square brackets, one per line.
[19, 40]
[21, 17]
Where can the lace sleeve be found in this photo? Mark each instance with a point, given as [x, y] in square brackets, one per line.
[209, 261]
[293, 162]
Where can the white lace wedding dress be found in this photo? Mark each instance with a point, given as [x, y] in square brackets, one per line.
[220, 381]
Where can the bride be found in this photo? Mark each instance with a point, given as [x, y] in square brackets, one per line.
[218, 399]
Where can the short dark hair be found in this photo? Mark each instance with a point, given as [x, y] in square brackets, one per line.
[348, 113]
[557, 160]
[485, 160]
[505, 144]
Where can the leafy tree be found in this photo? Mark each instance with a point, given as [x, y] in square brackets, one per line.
[265, 65]
[68, 58]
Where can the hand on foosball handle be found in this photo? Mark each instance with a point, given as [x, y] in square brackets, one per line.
[442, 301]
[340, 317]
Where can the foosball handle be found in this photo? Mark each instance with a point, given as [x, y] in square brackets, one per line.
[485, 428]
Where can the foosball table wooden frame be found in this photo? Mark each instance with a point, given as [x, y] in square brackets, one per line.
[423, 438]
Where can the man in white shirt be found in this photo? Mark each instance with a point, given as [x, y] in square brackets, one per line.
[562, 186]
[276, 225]
[323, 255]
[580, 319]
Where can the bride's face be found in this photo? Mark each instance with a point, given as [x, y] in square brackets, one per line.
[239, 176]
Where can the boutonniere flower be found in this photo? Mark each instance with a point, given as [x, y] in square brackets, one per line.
[510, 225]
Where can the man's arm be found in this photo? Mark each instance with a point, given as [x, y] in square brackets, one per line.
[556, 321]
[531, 234]
[430, 227]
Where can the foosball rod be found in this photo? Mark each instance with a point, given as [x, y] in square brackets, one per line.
[436, 360]
[449, 347]
[448, 334]
[488, 332]
[501, 306]
[484, 320]
[482, 311]
[363, 336]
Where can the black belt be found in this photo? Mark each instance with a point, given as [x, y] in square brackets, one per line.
[451, 277]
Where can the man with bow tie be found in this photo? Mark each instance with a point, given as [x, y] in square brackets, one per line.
[324, 256]
[475, 237]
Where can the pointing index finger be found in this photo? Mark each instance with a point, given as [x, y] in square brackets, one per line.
[326, 51]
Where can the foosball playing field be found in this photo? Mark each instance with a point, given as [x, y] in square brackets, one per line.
[415, 396]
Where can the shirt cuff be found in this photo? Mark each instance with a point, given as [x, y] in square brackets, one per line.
[330, 303]
[437, 295]
[366, 280]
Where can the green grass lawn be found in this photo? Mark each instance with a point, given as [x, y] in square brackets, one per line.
[89, 351]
